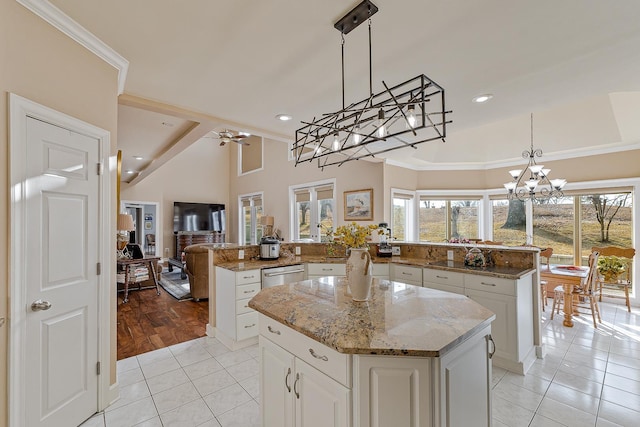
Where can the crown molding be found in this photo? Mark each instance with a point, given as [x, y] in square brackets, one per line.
[81, 35]
[560, 155]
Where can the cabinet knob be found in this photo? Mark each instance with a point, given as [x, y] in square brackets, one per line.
[317, 356]
[273, 331]
[286, 380]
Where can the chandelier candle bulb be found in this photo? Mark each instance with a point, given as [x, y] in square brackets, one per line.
[356, 135]
[336, 142]
[411, 116]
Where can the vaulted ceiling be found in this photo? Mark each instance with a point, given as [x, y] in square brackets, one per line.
[200, 65]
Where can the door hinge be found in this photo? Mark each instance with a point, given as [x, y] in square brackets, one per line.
[99, 269]
[100, 168]
[98, 368]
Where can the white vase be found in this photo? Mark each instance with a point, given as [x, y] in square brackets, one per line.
[359, 274]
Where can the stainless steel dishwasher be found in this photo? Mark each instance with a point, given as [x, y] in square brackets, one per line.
[280, 275]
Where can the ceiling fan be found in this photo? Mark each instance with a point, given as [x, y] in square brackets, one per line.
[228, 136]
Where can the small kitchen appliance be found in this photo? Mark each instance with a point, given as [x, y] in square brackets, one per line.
[269, 248]
[383, 249]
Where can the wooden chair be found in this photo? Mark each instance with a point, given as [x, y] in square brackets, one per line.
[583, 296]
[546, 254]
[624, 279]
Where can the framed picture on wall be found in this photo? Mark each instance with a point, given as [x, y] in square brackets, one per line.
[358, 205]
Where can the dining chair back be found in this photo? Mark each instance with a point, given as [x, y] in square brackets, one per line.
[546, 254]
[619, 287]
[582, 296]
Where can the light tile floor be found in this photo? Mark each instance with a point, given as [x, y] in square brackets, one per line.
[589, 377]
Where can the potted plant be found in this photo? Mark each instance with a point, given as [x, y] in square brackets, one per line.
[610, 267]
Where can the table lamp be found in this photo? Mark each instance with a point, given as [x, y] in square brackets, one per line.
[125, 225]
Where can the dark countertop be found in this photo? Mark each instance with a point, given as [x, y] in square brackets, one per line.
[399, 319]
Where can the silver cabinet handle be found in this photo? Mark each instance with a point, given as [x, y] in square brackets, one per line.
[248, 277]
[283, 273]
[327, 269]
[442, 277]
[273, 331]
[250, 326]
[317, 356]
[1, 321]
[487, 284]
[295, 386]
[40, 305]
[249, 292]
[286, 380]
[407, 274]
[493, 344]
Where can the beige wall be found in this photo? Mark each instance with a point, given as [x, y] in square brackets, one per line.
[279, 173]
[40, 63]
[198, 174]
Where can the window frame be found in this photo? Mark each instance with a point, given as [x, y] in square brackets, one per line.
[252, 197]
[411, 215]
[314, 220]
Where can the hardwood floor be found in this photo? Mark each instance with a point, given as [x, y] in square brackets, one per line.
[150, 321]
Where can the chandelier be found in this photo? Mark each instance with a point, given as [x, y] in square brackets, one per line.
[538, 186]
[382, 122]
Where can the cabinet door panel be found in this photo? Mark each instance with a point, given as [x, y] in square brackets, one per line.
[503, 328]
[322, 401]
[467, 377]
[276, 379]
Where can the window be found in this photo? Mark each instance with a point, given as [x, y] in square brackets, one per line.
[313, 207]
[250, 215]
[402, 215]
[441, 220]
[553, 227]
[509, 222]
[605, 220]
[250, 155]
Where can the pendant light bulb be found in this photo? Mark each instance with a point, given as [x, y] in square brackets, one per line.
[411, 116]
[336, 142]
[357, 138]
[381, 131]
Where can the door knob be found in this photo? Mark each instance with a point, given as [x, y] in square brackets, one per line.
[40, 305]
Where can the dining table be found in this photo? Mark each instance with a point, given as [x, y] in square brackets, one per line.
[569, 277]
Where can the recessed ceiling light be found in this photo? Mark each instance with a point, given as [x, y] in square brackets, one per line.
[138, 157]
[284, 117]
[482, 98]
[130, 171]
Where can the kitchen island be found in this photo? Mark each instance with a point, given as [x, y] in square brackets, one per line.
[409, 356]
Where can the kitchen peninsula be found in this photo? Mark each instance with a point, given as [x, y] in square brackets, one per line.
[508, 286]
[410, 356]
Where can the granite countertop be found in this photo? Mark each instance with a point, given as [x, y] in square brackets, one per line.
[399, 319]
[495, 271]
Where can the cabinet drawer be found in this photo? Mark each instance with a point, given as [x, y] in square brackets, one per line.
[490, 284]
[328, 361]
[404, 273]
[446, 288]
[246, 326]
[449, 278]
[378, 270]
[326, 269]
[242, 306]
[247, 291]
[249, 276]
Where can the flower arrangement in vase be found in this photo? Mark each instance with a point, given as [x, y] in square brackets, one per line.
[354, 238]
[610, 267]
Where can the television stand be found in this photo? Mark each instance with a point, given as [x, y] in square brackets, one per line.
[180, 264]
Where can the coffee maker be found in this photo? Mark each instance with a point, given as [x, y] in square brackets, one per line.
[383, 248]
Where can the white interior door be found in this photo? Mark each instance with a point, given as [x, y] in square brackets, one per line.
[61, 278]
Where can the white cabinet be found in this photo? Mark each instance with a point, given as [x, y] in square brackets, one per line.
[406, 274]
[452, 390]
[380, 270]
[323, 270]
[512, 302]
[448, 281]
[293, 392]
[304, 383]
[236, 322]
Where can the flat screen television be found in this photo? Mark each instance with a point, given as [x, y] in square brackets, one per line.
[189, 216]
